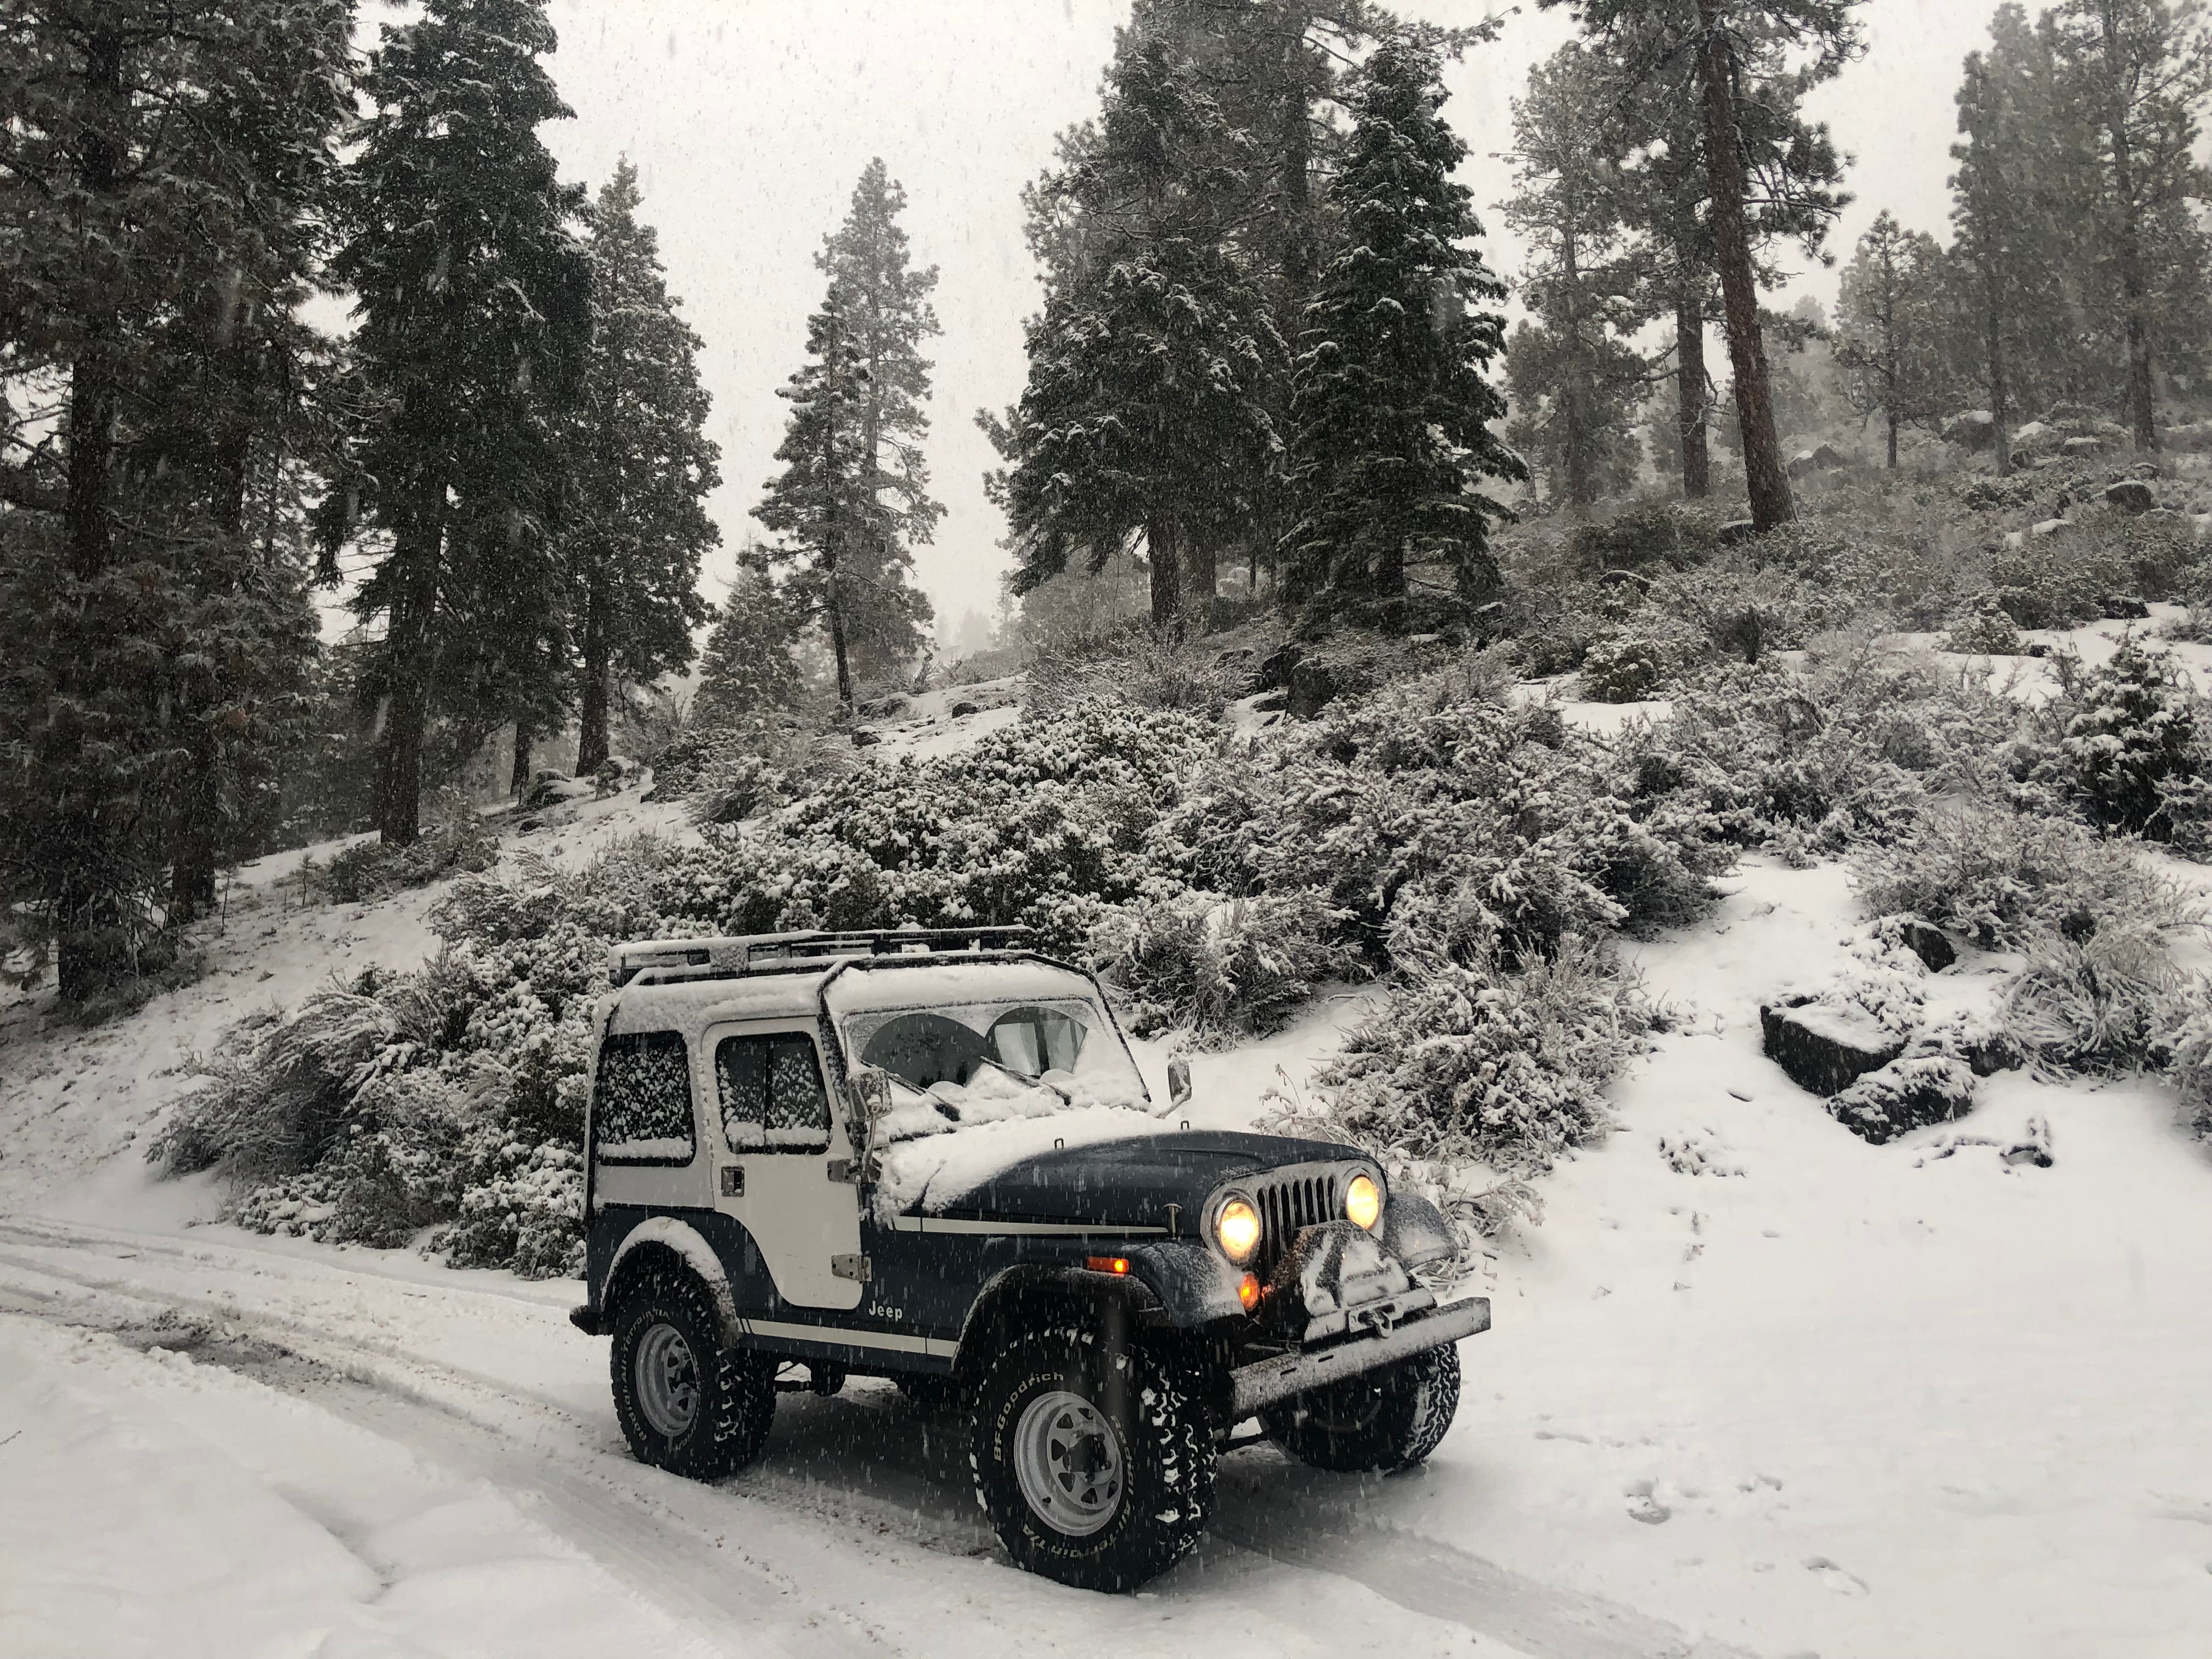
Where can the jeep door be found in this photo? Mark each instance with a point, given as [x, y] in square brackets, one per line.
[783, 1168]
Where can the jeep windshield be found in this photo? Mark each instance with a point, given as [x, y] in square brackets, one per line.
[981, 1042]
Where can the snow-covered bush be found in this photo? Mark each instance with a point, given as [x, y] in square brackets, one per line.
[2132, 734]
[1984, 631]
[2007, 880]
[2100, 1002]
[1482, 1065]
[2054, 581]
[371, 869]
[1148, 666]
[2188, 1046]
[1626, 666]
[1222, 967]
[1663, 533]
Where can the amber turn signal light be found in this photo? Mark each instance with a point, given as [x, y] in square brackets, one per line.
[1108, 1264]
[1248, 1291]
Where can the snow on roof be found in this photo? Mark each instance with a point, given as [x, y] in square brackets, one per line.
[911, 982]
[693, 1005]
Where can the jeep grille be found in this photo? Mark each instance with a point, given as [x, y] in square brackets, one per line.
[1291, 1200]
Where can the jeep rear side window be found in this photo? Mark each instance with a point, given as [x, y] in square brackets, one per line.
[772, 1093]
[641, 1104]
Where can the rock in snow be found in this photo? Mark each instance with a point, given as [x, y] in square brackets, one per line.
[2130, 496]
[1823, 1049]
[1905, 1094]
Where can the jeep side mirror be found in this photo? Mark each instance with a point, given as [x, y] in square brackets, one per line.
[872, 1093]
[1179, 1083]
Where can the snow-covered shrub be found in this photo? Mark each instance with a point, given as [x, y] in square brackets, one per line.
[2133, 732]
[1627, 665]
[1663, 533]
[1744, 611]
[2098, 1003]
[1222, 967]
[2188, 1048]
[1149, 666]
[2054, 581]
[1466, 827]
[2006, 880]
[371, 869]
[1482, 1065]
[1984, 631]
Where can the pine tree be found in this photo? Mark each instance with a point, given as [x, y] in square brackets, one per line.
[747, 669]
[2002, 261]
[1145, 414]
[885, 304]
[2133, 74]
[635, 526]
[1889, 314]
[473, 301]
[1572, 380]
[1710, 56]
[159, 167]
[1392, 411]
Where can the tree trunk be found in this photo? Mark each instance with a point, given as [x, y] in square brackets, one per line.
[1202, 577]
[1765, 479]
[591, 744]
[2141, 408]
[199, 831]
[1893, 441]
[836, 610]
[518, 777]
[1167, 577]
[1690, 394]
[408, 651]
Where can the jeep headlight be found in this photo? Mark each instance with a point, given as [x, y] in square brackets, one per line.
[1236, 1230]
[1363, 1202]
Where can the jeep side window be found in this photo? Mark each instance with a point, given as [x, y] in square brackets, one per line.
[641, 1103]
[772, 1093]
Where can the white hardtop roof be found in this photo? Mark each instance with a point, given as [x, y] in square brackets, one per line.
[693, 1005]
[922, 982]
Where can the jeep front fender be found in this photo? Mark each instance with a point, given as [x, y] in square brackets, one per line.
[1194, 1284]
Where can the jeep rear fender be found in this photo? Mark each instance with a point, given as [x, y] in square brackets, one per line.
[666, 1236]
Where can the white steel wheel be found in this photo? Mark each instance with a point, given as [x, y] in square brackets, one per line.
[1067, 1461]
[666, 1375]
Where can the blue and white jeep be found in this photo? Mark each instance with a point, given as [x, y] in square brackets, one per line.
[931, 1157]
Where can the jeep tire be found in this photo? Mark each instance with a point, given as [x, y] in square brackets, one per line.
[1378, 1422]
[686, 1403]
[1095, 1468]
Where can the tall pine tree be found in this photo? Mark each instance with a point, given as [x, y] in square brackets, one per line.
[473, 301]
[1392, 408]
[1145, 414]
[1889, 328]
[158, 177]
[853, 501]
[635, 525]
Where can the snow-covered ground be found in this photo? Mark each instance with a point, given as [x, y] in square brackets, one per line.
[1755, 1388]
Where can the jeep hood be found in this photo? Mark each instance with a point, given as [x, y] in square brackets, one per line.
[1123, 1173]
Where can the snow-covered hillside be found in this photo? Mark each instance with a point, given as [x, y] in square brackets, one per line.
[1755, 1388]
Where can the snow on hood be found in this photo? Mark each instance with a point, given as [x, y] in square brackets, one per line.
[936, 1172]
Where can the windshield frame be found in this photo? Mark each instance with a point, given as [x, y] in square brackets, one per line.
[848, 1066]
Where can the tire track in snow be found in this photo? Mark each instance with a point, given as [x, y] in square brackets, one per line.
[671, 1538]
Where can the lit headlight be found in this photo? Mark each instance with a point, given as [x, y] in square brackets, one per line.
[1237, 1228]
[1363, 1202]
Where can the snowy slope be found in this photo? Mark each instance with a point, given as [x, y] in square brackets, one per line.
[1819, 1398]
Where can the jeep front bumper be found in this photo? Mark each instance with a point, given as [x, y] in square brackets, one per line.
[1267, 1380]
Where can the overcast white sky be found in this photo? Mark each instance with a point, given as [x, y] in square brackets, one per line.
[750, 120]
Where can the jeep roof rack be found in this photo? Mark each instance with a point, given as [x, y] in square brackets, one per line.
[670, 961]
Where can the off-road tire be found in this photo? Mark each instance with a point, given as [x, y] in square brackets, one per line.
[1378, 1422]
[735, 1390]
[1161, 1434]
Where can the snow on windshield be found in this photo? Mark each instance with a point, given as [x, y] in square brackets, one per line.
[960, 1063]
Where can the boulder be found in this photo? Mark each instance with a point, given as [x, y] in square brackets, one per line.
[1735, 532]
[2130, 496]
[963, 707]
[1822, 1048]
[1927, 941]
[1314, 685]
[2035, 439]
[1275, 668]
[864, 737]
[1973, 429]
[1275, 702]
[2144, 470]
[1905, 1094]
[2191, 439]
[2122, 607]
[2080, 446]
[878, 708]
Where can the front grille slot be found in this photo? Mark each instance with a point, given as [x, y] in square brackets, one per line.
[1290, 1201]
